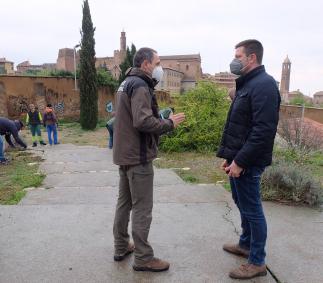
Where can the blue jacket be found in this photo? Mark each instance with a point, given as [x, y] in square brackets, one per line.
[8, 128]
[251, 125]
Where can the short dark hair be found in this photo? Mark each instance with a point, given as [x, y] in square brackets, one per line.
[252, 46]
[49, 105]
[143, 54]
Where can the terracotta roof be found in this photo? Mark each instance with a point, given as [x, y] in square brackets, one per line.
[25, 63]
[180, 57]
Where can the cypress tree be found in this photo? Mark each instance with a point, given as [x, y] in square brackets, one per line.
[88, 77]
[127, 62]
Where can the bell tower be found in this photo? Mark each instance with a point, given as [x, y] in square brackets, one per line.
[285, 80]
[123, 41]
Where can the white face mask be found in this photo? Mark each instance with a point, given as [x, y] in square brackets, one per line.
[158, 73]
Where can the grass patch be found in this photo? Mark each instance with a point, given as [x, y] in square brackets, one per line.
[227, 187]
[203, 167]
[19, 175]
[187, 177]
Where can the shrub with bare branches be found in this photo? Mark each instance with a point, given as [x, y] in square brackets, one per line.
[301, 134]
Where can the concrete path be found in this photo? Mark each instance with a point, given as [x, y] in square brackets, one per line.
[63, 231]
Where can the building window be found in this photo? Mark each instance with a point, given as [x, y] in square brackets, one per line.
[187, 67]
[39, 89]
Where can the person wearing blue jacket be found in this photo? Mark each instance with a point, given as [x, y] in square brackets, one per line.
[10, 128]
[247, 146]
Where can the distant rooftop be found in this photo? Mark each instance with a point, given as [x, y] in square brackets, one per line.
[181, 57]
[4, 60]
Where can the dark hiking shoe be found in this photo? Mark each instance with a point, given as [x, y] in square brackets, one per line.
[42, 143]
[120, 257]
[154, 265]
[236, 249]
[34, 144]
[248, 271]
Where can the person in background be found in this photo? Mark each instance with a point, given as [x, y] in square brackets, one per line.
[109, 126]
[50, 122]
[10, 128]
[34, 121]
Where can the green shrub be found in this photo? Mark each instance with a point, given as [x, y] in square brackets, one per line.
[105, 79]
[291, 182]
[205, 108]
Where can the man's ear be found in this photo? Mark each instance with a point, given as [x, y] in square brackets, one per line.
[144, 64]
[254, 58]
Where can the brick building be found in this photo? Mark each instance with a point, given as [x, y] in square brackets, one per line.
[65, 59]
[318, 98]
[6, 67]
[171, 81]
[224, 79]
[26, 66]
[186, 67]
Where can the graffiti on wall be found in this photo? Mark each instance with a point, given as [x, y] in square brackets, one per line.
[59, 107]
[17, 105]
[109, 107]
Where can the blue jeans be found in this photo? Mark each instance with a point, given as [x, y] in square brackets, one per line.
[2, 158]
[52, 129]
[110, 137]
[246, 195]
[35, 130]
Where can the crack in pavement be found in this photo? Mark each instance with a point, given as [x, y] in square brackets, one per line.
[226, 217]
[236, 231]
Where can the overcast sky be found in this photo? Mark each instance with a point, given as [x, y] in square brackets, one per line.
[34, 30]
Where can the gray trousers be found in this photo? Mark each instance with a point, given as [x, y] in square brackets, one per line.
[136, 194]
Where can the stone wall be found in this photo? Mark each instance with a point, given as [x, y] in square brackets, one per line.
[3, 101]
[291, 111]
[17, 92]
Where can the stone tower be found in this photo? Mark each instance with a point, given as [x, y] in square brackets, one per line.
[284, 83]
[123, 41]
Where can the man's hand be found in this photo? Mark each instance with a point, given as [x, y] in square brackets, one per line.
[177, 118]
[224, 165]
[233, 170]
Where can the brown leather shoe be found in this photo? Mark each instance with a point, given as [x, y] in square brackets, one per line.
[236, 249]
[154, 265]
[120, 257]
[248, 271]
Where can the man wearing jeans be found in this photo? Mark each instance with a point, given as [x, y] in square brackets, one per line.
[136, 132]
[10, 128]
[247, 145]
[3, 160]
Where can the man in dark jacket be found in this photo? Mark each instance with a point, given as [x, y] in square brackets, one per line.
[8, 128]
[136, 132]
[246, 146]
